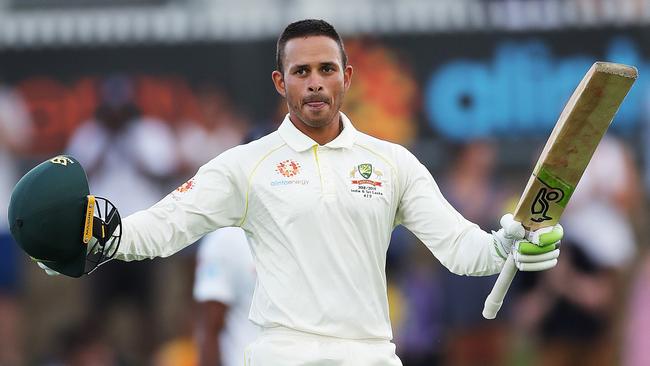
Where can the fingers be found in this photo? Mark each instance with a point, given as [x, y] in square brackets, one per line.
[540, 251]
[513, 229]
[547, 235]
[538, 262]
[526, 247]
[524, 258]
[534, 267]
[47, 270]
[51, 272]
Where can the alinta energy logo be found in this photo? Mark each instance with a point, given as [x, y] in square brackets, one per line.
[288, 169]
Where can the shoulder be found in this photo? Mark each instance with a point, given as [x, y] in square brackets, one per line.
[262, 146]
[395, 154]
[245, 157]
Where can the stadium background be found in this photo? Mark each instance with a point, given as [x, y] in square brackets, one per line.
[472, 87]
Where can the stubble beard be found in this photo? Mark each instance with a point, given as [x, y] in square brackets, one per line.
[316, 122]
[321, 120]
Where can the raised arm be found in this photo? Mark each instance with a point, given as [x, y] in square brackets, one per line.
[459, 244]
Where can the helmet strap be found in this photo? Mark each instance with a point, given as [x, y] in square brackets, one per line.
[88, 224]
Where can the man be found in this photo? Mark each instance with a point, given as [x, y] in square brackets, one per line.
[223, 288]
[318, 201]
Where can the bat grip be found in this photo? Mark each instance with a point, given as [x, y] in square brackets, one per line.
[495, 299]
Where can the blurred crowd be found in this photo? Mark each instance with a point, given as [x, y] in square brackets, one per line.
[590, 310]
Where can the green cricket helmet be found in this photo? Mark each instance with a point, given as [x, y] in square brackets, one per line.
[56, 221]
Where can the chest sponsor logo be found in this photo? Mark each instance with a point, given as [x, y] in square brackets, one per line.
[367, 181]
[288, 169]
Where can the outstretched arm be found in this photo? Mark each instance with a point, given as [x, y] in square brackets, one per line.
[214, 198]
[460, 245]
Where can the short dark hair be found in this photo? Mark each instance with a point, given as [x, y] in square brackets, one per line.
[306, 28]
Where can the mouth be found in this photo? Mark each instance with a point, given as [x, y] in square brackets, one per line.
[316, 102]
[316, 105]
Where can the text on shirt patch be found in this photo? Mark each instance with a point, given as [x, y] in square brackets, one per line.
[365, 185]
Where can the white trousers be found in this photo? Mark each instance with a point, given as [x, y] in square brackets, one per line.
[286, 347]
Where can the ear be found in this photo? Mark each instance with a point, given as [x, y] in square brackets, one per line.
[278, 82]
[347, 77]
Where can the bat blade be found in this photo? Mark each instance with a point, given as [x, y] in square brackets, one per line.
[582, 124]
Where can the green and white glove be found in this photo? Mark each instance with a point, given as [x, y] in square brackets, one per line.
[533, 251]
[48, 270]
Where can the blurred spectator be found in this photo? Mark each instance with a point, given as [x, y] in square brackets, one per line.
[574, 306]
[125, 155]
[571, 309]
[15, 131]
[219, 127]
[470, 184]
[223, 287]
[181, 351]
[636, 341]
[471, 188]
[608, 196]
[418, 329]
[83, 345]
[128, 158]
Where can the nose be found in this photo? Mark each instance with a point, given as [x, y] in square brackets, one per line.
[315, 88]
[315, 84]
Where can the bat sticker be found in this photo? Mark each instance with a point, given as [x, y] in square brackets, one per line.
[542, 201]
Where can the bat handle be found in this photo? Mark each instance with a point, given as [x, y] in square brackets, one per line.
[495, 299]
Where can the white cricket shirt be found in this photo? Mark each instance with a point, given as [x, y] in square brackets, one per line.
[225, 272]
[318, 220]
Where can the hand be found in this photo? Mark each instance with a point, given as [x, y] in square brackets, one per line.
[536, 251]
[50, 272]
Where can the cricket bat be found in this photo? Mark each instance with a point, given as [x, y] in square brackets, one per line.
[581, 126]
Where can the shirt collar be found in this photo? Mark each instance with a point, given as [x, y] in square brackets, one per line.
[301, 142]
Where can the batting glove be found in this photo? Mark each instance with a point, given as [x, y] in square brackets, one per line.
[50, 272]
[536, 251]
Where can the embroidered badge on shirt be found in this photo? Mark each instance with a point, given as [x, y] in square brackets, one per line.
[178, 193]
[186, 186]
[370, 181]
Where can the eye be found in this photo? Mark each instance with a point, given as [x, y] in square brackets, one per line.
[301, 71]
[328, 68]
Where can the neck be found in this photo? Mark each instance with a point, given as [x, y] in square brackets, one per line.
[322, 135]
